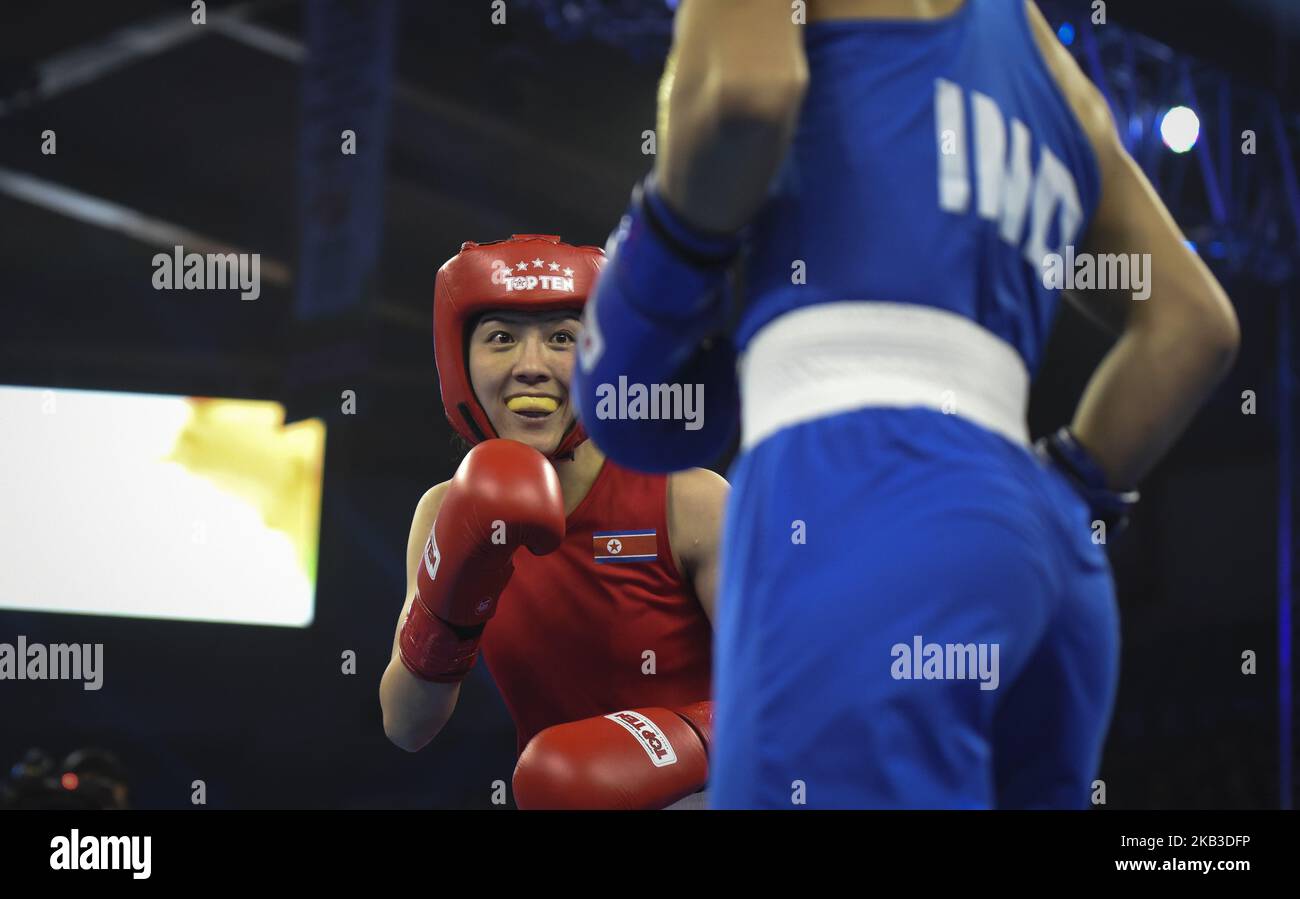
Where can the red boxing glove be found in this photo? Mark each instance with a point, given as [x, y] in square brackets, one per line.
[504, 495]
[642, 759]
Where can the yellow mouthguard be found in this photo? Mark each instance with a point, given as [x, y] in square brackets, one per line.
[532, 404]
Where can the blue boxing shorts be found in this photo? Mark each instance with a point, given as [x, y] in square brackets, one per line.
[913, 611]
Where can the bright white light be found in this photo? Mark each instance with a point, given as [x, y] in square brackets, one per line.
[1180, 129]
[98, 517]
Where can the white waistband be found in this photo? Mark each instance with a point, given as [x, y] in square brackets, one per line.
[835, 357]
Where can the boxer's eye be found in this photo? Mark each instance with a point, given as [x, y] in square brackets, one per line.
[506, 338]
[565, 337]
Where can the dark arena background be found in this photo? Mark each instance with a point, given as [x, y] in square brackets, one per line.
[224, 137]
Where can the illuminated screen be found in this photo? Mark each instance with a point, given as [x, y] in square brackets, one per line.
[158, 506]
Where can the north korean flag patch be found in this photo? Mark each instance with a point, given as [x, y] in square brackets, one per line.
[625, 546]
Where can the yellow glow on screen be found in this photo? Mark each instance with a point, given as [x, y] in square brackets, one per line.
[158, 506]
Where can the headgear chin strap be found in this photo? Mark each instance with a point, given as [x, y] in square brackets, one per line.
[527, 273]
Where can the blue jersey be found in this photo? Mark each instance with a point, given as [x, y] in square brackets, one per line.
[935, 162]
[896, 308]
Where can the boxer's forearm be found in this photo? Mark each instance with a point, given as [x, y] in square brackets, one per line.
[1146, 392]
[415, 711]
[1177, 342]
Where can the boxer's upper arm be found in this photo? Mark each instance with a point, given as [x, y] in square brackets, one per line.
[1131, 218]
[728, 102]
[751, 52]
[1085, 99]
[697, 499]
[426, 511]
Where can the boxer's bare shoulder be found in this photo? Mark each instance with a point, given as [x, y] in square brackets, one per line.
[434, 494]
[430, 502]
[1131, 216]
[1086, 101]
[697, 499]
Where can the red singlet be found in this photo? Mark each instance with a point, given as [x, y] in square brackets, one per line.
[573, 629]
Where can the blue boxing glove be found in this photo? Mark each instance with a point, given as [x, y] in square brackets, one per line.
[1063, 452]
[655, 385]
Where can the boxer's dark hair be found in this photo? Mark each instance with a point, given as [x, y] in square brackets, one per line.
[460, 447]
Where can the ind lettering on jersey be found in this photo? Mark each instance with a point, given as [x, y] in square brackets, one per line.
[1007, 189]
[625, 546]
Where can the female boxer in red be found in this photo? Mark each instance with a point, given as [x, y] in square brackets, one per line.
[589, 587]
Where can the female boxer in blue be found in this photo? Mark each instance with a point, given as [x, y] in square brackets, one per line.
[915, 609]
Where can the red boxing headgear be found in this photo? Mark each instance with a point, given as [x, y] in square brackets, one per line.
[527, 273]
